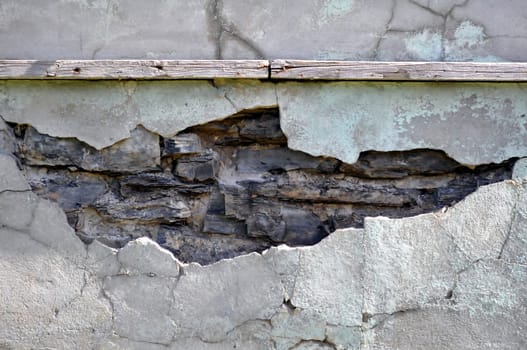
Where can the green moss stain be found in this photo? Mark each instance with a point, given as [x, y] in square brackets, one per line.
[335, 8]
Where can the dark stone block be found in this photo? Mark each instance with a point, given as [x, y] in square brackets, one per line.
[166, 183]
[189, 246]
[181, 144]
[71, 190]
[262, 224]
[202, 167]
[400, 164]
[224, 225]
[302, 227]
[273, 159]
[264, 129]
[138, 153]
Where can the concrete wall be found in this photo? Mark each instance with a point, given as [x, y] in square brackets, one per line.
[428, 30]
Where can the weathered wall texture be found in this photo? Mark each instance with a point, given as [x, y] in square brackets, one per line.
[231, 187]
[450, 279]
[422, 30]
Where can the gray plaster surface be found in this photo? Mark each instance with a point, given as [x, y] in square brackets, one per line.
[450, 30]
[437, 281]
[473, 123]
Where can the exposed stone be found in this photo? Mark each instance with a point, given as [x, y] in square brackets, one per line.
[199, 168]
[223, 225]
[163, 209]
[273, 160]
[238, 179]
[140, 152]
[181, 144]
[401, 164]
[70, 189]
[265, 129]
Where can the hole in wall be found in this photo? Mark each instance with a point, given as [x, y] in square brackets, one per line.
[233, 186]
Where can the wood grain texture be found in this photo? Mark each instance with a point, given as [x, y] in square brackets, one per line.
[398, 71]
[134, 69]
[262, 69]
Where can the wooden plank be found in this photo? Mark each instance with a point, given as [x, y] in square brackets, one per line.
[134, 69]
[262, 69]
[398, 71]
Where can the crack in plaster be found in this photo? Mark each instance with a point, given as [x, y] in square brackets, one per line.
[220, 27]
[514, 214]
[387, 29]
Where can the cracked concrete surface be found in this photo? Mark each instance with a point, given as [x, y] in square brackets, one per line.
[449, 30]
[436, 281]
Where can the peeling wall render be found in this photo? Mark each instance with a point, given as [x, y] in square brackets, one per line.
[443, 279]
[458, 273]
[246, 214]
[232, 187]
[370, 116]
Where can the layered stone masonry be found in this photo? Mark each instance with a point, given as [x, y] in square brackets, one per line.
[233, 186]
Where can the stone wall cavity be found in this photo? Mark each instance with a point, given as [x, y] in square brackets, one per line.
[233, 186]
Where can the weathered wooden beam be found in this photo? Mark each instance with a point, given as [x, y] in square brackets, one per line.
[134, 69]
[398, 71]
[262, 69]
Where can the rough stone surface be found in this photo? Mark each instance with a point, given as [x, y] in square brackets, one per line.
[230, 187]
[205, 29]
[139, 152]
